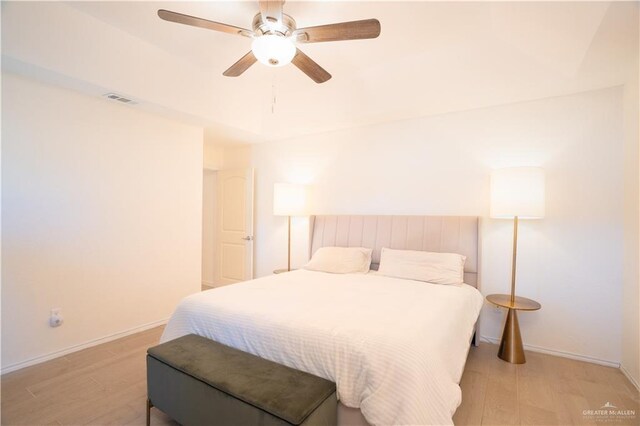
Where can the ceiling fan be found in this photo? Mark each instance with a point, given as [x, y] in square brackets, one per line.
[275, 36]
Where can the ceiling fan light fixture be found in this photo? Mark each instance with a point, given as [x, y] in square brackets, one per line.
[273, 50]
[275, 36]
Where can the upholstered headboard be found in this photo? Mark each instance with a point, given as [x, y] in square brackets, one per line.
[446, 234]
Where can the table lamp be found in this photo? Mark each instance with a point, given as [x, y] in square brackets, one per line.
[289, 200]
[516, 193]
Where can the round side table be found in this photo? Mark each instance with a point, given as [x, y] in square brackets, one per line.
[511, 349]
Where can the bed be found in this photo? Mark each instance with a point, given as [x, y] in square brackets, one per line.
[396, 348]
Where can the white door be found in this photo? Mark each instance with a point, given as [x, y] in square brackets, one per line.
[235, 226]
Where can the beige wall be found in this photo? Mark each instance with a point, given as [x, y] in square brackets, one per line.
[101, 208]
[571, 261]
[631, 288]
[213, 155]
[237, 157]
[209, 224]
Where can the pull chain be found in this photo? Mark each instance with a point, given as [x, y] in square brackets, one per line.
[273, 98]
[274, 93]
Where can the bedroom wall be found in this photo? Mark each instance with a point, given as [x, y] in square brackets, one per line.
[631, 283]
[571, 261]
[212, 152]
[209, 224]
[101, 208]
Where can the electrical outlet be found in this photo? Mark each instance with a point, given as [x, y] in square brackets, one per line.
[56, 319]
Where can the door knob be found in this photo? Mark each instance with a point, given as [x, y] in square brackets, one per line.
[248, 238]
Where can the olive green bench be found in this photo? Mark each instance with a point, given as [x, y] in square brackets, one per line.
[199, 382]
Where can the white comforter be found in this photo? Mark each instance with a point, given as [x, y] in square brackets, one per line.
[395, 348]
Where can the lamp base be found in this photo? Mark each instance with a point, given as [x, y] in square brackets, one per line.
[511, 349]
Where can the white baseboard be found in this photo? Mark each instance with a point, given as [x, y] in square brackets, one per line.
[554, 352]
[630, 377]
[75, 348]
[208, 283]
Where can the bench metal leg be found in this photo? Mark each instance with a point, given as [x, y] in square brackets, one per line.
[149, 405]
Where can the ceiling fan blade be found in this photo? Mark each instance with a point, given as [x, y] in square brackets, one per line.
[194, 21]
[354, 30]
[241, 66]
[310, 68]
[271, 10]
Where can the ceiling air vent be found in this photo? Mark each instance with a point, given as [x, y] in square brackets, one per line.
[116, 97]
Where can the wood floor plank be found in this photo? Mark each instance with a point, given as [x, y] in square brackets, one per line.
[131, 370]
[626, 403]
[132, 414]
[569, 408]
[501, 402]
[47, 407]
[106, 385]
[474, 391]
[535, 401]
[92, 408]
[31, 375]
[501, 399]
[598, 394]
[536, 416]
[16, 395]
[565, 380]
[534, 367]
[144, 340]
[619, 381]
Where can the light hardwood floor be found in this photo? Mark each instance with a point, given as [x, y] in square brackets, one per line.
[105, 385]
[547, 390]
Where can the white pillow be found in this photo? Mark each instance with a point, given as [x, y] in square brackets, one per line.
[437, 268]
[341, 260]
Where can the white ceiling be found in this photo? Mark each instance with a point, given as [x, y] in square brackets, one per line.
[431, 58]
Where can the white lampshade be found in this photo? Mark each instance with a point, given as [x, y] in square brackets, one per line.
[517, 191]
[273, 50]
[289, 199]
